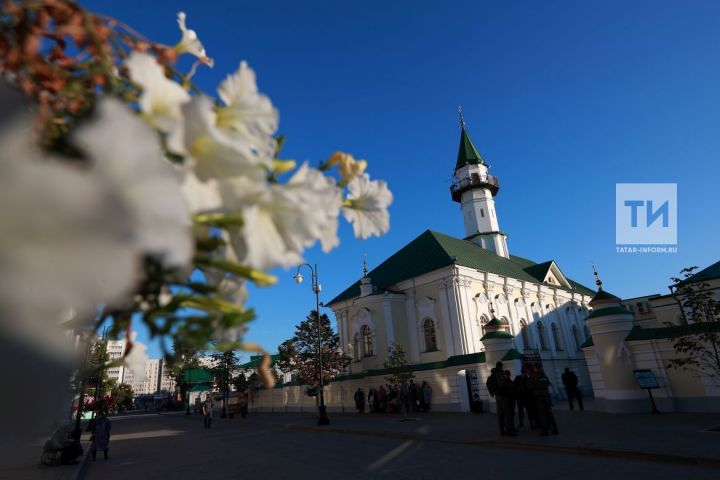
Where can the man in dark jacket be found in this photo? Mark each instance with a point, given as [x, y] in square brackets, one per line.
[540, 385]
[500, 387]
[360, 400]
[522, 397]
[570, 381]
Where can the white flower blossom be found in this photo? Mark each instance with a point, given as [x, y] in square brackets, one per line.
[366, 206]
[190, 43]
[161, 98]
[248, 114]
[216, 155]
[64, 244]
[349, 167]
[201, 196]
[280, 221]
[127, 153]
[232, 290]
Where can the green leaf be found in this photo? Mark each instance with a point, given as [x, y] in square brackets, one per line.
[260, 278]
[221, 220]
[207, 303]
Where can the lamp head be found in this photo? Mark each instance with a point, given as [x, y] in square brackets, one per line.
[298, 278]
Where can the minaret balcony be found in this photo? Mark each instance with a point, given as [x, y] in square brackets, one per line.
[474, 181]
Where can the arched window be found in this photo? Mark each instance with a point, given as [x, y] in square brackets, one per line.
[367, 341]
[483, 321]
[542, 336]
[356, 347]
[525, 335]
[586, 330]
[576, 337]
[556, 337]
[430, 338]
[506, 322]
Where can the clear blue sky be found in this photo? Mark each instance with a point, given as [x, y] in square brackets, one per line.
[563, 99]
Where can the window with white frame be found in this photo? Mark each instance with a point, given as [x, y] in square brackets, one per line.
[430, 335]
[557, 338]
[525, 333]
[542, 336]
[576, 337]
[356, 347]
[367, 341]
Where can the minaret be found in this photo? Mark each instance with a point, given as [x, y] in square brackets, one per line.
[612, 373]
[366, 286]
[474, 189]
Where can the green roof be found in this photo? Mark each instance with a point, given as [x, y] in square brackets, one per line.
[467, 154]
[603, 295]
[431, 251]
[638, 333]
[539, 270]
[416, 367]
[713, 271]
[491, 335]
[256, 359]
[495, 322]
[604, 312]
[197, 375]
[200, 387]
[512, 354]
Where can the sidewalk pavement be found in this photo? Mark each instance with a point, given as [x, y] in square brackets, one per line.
[679, 438]
[25, 464]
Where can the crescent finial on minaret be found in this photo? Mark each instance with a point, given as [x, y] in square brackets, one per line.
[598, 282]
[460, 114]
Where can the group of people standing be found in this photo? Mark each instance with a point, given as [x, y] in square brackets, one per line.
[408, 397]
[529, 392]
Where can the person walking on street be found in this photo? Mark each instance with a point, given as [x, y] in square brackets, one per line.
[207, 409]
[371, 400]
[529, 400]
[540, 386]
[413, 396]
[499, 387]
[382, 399]
[100, 436]
[360, 400]
[519, 394]
[570, 381]
[426, 395]
[243, 405]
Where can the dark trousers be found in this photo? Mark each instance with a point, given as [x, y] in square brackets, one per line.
[208, 421]
[546, 419]
[574, 392]
[521, 409]
[531, 409]
[506, 414]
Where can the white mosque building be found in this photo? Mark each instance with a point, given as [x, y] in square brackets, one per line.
[438, 294]
[459, 305]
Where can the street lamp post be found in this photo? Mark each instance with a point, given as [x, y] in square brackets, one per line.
[323, 418]
[186, 374]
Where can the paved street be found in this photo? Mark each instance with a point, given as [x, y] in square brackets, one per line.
[289, 446]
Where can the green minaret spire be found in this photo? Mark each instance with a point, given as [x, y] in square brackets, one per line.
[467, 154]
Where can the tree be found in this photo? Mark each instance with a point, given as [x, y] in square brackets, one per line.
[185, 357]
[96, 372]
[241, 383]
[224, 364]
[396, 363]
[122, 396]
[299, 355]
[699, 350]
